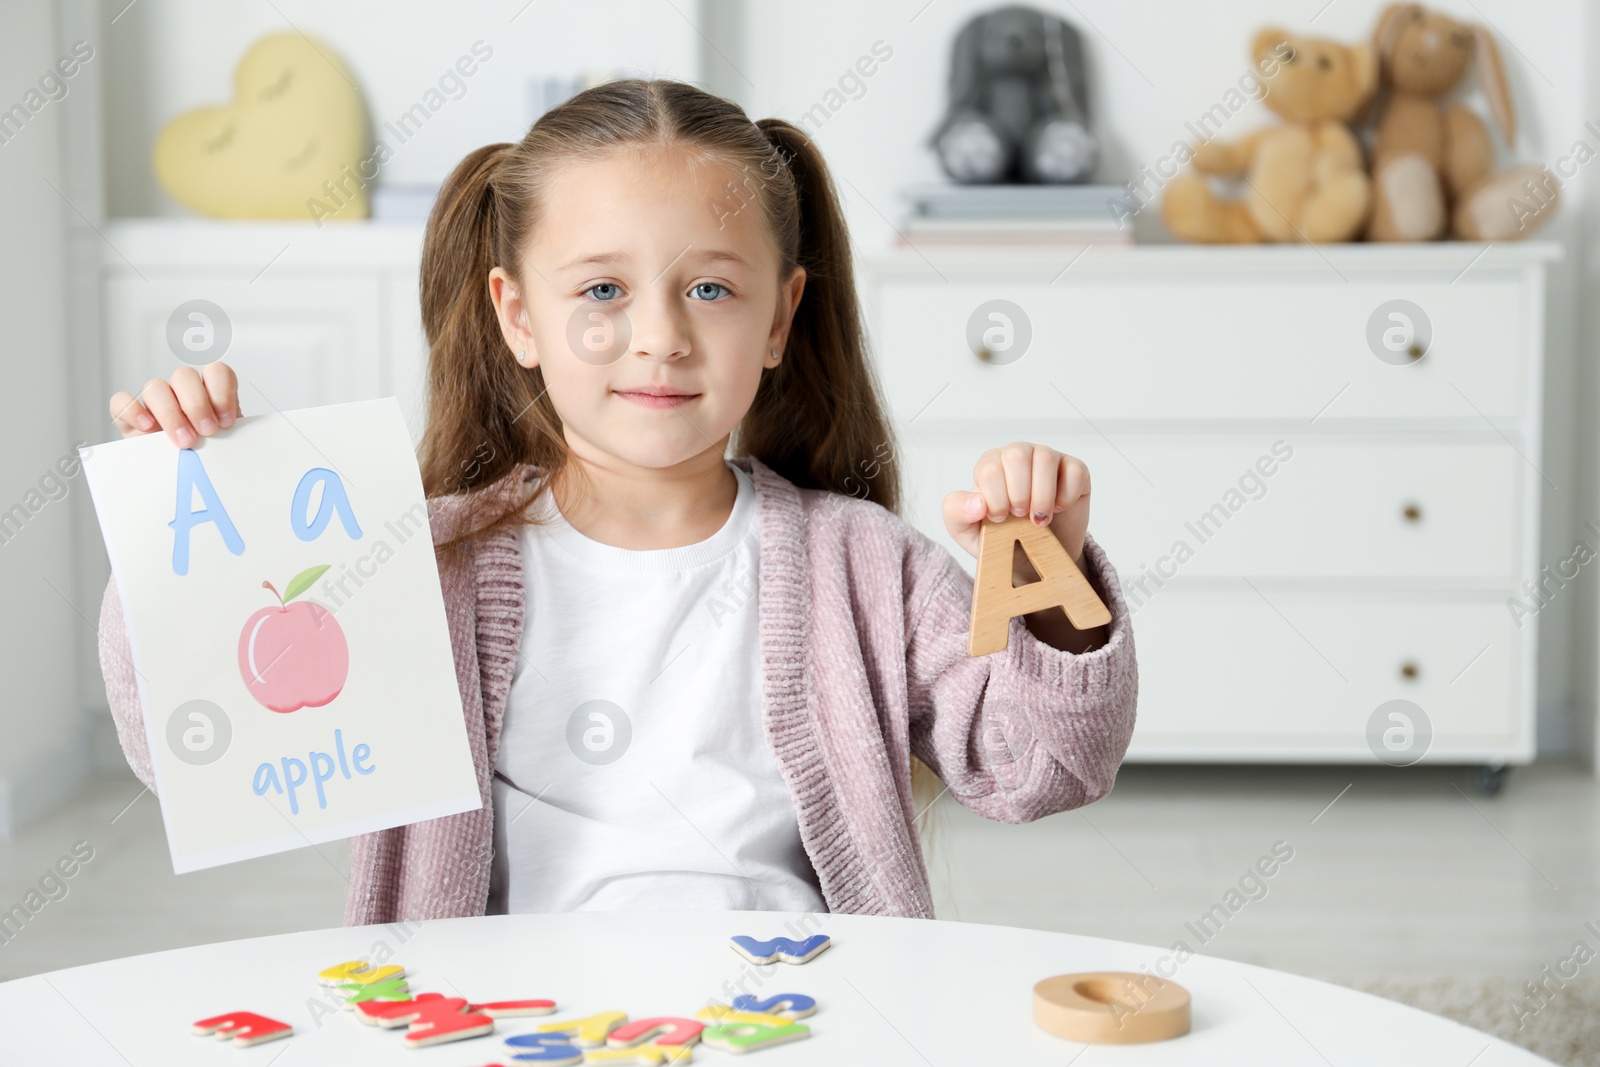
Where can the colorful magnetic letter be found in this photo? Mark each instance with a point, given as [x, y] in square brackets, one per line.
[677, 1032]
[790, 1005]
[358, 972]
[245, 1027]
[552, 1050]
[779, 948]
[747, 1037]
[387, 989]
[590, 1031]
[721, 1013]
[505, 1009]
[191, 477]
[433, 1019]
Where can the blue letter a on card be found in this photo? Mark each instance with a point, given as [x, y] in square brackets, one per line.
[333, 499]
[192, 476]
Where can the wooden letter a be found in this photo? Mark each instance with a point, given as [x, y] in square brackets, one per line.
[995, 601]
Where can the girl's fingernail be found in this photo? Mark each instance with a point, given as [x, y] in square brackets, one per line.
[1019, 512]
[1040, 518]
[226, 418]
[207, 426]
[146, 422]
[185, 437]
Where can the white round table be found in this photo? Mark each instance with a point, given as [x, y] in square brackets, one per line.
[888, 992]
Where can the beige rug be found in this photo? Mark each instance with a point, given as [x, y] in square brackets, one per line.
[1565, 1031]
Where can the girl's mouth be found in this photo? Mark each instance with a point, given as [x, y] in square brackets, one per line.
[658, 400]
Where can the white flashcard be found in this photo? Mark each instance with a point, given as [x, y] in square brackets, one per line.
[287, 630]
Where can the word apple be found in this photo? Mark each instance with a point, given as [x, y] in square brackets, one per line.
[322, 766]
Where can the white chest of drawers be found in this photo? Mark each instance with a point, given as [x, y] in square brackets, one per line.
[1309, 520]
[1274, 612]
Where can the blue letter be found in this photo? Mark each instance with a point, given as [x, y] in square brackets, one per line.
[332, 495]
[289, 779]
[542, 1048]
[338, 744]
[192, 476]
[266, 781]
[318, 775]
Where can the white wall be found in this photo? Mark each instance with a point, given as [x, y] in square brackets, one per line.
[1156, 64]
[168, 56]
[41, 726]
[1586, 626]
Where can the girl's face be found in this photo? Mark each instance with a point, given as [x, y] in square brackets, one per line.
[649, 275]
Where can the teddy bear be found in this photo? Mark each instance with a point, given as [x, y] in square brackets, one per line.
[1433, 165]
[1305, 179]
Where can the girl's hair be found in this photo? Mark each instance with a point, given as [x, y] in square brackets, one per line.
[816, 418]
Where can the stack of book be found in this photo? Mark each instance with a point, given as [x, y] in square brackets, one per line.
[1017, 215]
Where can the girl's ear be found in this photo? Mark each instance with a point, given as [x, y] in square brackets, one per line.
[512, 313]
[789, 294]
[1492, 73]
[527, 350]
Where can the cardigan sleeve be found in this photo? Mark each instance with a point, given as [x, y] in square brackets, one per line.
[1022, 733]
[122, 690]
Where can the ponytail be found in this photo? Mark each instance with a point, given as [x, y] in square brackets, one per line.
[817, 419]
[484, 412]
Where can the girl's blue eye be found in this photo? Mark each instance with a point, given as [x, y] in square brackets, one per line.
[601, 285]
[713, 285]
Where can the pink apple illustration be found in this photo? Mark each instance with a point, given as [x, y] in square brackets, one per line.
[293, 656]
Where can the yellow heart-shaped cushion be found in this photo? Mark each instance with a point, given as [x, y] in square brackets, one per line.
[297, 121]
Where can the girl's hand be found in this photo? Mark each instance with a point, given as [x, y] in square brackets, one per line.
[195, 404]
[1023, 479]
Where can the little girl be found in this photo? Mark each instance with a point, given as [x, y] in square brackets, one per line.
[693, 681]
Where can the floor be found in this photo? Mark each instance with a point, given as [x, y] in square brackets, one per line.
[1393, 872]
[1382, 878]
[126, 900]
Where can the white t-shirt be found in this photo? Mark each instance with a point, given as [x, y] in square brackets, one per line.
[633, 771]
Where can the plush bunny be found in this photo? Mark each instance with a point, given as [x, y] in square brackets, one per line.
[1305, 179]
[1432, 165]
[1019, 102]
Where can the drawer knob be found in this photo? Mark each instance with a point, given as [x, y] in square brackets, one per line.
[1408, 669]
[1412, 512]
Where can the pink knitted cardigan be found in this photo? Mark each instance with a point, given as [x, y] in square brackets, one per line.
[863, 624]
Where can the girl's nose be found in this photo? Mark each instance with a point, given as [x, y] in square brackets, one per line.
[659, 329]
